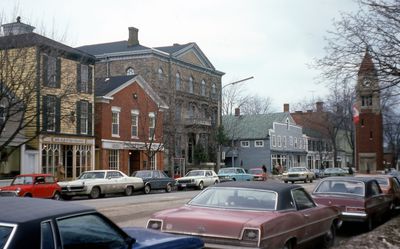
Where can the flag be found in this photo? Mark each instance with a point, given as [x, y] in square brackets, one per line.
[356, 114]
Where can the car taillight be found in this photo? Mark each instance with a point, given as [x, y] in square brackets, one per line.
[251, 234]
[154, 224]
[355, 209]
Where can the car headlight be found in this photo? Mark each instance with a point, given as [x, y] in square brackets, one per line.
[18, 190]
[154, 224]
[251, 234]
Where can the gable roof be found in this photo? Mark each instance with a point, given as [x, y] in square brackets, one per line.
[253, 126]
[105, 88]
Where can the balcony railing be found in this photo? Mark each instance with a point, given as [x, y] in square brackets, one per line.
[196, 121]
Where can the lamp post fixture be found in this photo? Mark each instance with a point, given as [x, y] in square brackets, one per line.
[219, 117]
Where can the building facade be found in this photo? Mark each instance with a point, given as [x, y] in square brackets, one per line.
[128, 125]
[55, 88]
[369, 129]
[187, 82]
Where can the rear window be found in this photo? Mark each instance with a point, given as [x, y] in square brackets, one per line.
[5, 232]
[383, 181]
[341, 187]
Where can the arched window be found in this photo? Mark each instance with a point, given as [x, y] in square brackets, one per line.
[130, 71]
[213, 90]
[160, 74]
[203, 88]
[178, 81]
[190, 85]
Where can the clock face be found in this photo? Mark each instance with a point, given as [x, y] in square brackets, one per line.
[367, 83]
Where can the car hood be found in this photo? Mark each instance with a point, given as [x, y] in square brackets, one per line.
[151, 239]
[190, 177]
[79, 182]
[209, 221]
[12, 187]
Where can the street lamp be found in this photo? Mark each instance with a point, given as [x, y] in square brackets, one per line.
[219, 116]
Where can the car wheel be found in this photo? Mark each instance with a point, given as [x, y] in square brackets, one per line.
[370, 223]
[179, 188]
[292, 182]
[311, 180]
[168, 188]
[288, 245]
[286, 181]
[329, 237]
[57, 196]
[306, 180]
[147, 189]
[216, 182]
[233, 179]
[95, 193]
[28, 195]
[128, 191]
[201, 185]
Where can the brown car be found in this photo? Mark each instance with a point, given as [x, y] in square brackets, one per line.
[359, 198]
[252, 215]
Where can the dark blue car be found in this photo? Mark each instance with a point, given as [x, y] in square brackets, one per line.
[49, 224]
[155, 180]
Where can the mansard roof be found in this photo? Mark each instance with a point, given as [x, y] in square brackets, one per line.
[253, 126]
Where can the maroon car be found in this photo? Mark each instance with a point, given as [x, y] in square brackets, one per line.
[359, 198]
[252, 215]
[33, 185]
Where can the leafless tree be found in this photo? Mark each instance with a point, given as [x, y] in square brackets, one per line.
[256, 105]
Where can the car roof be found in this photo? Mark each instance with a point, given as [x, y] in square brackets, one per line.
[349, 178]
[20, 210]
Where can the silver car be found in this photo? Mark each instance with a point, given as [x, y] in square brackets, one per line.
[298, 174]
[97, 183]
[197, 179]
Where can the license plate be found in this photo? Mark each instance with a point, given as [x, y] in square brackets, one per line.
[183, 185]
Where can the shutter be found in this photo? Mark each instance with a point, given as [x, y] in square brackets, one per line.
[78, 77]
[78, 117]
[58, 72]
[44, 113]
[90, 78]
[44, 71]
[58, 115]
[90, 119]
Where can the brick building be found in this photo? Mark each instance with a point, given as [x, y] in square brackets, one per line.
[369, 130]
[128, 127]
[187, 82]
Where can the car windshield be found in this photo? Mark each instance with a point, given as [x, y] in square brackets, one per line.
[236, 198]
[226, 171]
[5, 232]
[296, 169]
[256, 171]
[342, 187]
[142, 174]
[92, 175]
[21, 180]
[195, 173]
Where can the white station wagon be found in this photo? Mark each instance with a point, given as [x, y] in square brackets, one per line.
[97, 183]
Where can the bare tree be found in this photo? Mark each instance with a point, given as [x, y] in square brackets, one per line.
[233, 97]
[391, 124]
[256, 105]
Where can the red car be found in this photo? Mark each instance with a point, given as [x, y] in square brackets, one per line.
[258, 174]
[33, 185]
[252, 215]
[359, 198]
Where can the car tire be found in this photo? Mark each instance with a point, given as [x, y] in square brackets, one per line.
[179, 188]
[95, 193]
[328, 240]
[286, 181]
[311, 180]
[292, 182]
[216, 182]
[147, 189]
[57, 196]
[201, 186]
[128, 191]
[28, 195]
[306, 180]
[369, 224]
[288, 245]
[234, 179]
[168, 188]
[66, 197]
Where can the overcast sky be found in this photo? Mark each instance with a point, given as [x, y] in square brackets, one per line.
[272, 40]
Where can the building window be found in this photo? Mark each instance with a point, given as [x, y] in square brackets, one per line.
[203, 88]
[51, 71]
[273, 141]
[366, 100]
[84, 78]
[113, 159]
[295, 142]
[191, 110]
[153, 162]
[160, 74]
[291, 141]
[191, 85]
[130, 71]
[50, 112]
[284, 141]
[279, 141]
[213, 91]
[244, 143]
[178, 112]
[259, 143]
[84, 117]
[178, 81]
[115, 121]
[152, 125]
[3, 113]
[134, 124]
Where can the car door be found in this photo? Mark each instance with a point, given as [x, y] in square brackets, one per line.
[119, 182]
[156, 180]
[208, 180]
[39, 187]
[110, 183]
[376, 202]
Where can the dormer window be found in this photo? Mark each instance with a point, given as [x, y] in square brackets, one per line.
[366, 100]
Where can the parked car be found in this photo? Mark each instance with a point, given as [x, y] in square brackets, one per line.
[155, 179]
[335, 172]
[234, 174]
[197, 179]
[298, 174]
[251, 215]
[360, 199]
[97, 183]
[33, 185]
[35, 223]
[317, 172]
[258, 174]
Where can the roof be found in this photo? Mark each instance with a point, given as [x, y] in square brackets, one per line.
[33, 39]
[107, 87]
[252, 126]
[20, 210]
[367, 65]
[349, 178]
[111, 47]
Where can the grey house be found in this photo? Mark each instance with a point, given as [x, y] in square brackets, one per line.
[273, 140]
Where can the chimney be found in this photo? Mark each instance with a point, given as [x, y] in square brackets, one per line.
[237, 112]
[285, 107]
[133, 37]
[17, 28]
[320, 106]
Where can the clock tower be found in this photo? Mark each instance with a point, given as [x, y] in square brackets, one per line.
[369, 129]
